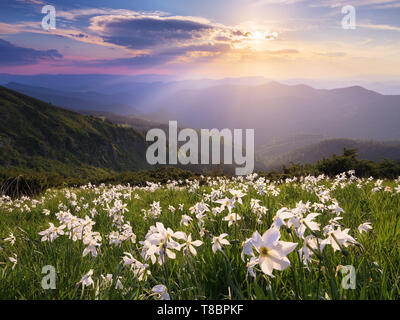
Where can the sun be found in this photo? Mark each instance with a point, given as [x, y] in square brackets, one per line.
[261, 36]
[257, 38]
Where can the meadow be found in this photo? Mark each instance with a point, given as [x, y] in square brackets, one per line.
[210, 238]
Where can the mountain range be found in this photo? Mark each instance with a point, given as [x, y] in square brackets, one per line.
[38, 136]
[274, 110]
[293, 123]
[302, 149]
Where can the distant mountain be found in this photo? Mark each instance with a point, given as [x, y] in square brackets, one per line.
[73, 100]
[39, 136]
[83, 82]
[367, 150]
[275, 109]
[303, 120]
[383, 86]
[140, 124]
[162, 116]
[281, 145]
[122, 95]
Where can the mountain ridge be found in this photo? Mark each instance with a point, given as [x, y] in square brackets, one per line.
[37, 135]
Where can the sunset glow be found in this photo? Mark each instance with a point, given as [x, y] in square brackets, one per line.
[273, 38]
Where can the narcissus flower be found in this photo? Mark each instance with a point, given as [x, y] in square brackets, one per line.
[231, 218]
[11, 238]
[339, 238]
[226, 203]
[52, 233]
[86, 279]
[185, 220]
[218, 242]
[108, 279]
[237, 195]
[364, 227]
[161, 291]
[272, 252]
[189, 245]
[14, 260]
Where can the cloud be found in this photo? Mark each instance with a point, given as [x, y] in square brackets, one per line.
[6, 28]
[140, 32]
[331, 54]
[32, 1]
[355, 3]
[269, 2]
[186, 37]
[12, 55]
[392, 5]
[74, 14]
[281, 52]
[384, 27]
[148, 39]
[175, 54]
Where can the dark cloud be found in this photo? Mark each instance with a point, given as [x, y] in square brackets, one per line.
[241, 33]
[80, 35]
[11, 55]
[147, 32]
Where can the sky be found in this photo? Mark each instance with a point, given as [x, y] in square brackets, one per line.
[277, 39]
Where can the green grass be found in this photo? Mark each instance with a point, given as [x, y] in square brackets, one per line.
[206, 276]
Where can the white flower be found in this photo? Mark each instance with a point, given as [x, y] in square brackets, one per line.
[87, 279]
[364, 227]
[335, 208]
[305, 252]
[108, 279]
[302, 224]
[185, 220]
[250, 265]
[139, 269]
[280, 217]
[231, 218]
[91, 243]
[189, 244]
[254, 203]
[199, 208]
[339, 237]
[14, 260]
[226, 203]
[218, 242]
[247, 248]
[161, 291]
[11, 238]
[272, 252]
[52, 233]
[237, 195]
[159, 241]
